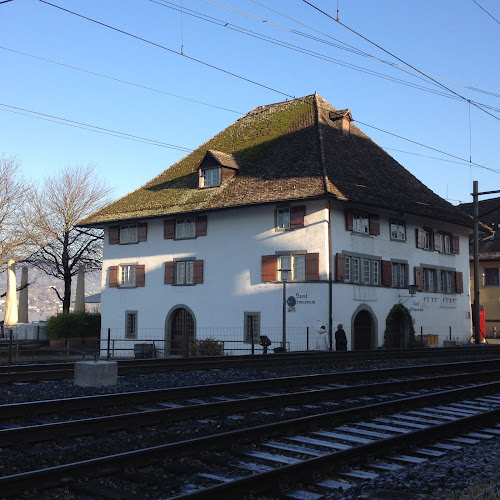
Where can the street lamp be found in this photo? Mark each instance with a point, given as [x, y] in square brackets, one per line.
[284, 275]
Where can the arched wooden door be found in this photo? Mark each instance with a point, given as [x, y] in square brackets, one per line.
[362, 331]
[182, 332]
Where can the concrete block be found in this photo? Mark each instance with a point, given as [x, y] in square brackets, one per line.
[449, 343]
[96, 373]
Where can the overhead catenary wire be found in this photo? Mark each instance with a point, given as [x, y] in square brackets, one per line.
[399, 59]
[489, 14]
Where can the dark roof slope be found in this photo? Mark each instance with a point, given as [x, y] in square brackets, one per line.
[285, 151]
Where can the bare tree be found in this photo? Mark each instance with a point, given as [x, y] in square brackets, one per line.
[64, 199]
[15, 216]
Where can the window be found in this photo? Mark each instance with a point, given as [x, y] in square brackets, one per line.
[209, 177]
[447, 281]
[292, 267]
[445, 243]
[429, 279]
[185, 228]
[360, 223]
[128, 233]
[362, 270]
[491, 276]
[398, 230]
[283, 218]
[184, 272]
[427, 240]
[127, 275]
[131, 324]
[252, 327]
[375, 272]
[399, 275]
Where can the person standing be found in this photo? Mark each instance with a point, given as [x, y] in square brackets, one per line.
[322, 343]
[340, 339]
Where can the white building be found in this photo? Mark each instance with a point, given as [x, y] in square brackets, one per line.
[292, 192]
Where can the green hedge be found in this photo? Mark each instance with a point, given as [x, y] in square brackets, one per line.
[74, 325]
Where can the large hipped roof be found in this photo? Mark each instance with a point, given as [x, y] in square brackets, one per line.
[286, 151]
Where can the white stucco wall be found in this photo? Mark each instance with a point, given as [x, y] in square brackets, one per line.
[232, 250]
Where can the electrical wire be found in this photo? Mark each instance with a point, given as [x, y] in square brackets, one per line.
[481, 7]
[399, 59]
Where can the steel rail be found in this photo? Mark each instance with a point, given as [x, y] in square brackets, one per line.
[56, 476]
[136, 419]
[33, 408]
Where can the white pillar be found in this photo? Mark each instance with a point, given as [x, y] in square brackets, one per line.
[11, 298]
[23, 297]
[80, 290]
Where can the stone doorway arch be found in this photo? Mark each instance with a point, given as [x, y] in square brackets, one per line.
[180, 331]
[362, 331]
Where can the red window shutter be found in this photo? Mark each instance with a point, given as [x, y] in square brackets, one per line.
[340, 267]
[169, 229]
[437, 241]
[312, 266]
[297, 215]
[142, 231]
[140, 275]
[114, 235]
[386, 272]
[419, 278]
[201, 225]
[459, 282]
[420, 237]
[374, 225]
[348, 220]
[269, 267]
[113, 277]
[455, 242]
[198, 272]
[169, 273]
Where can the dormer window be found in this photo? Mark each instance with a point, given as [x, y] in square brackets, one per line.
[216, 168]
[209, 177]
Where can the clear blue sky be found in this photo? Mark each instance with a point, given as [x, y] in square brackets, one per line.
[451, 39]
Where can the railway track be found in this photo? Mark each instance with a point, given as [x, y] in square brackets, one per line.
[203, 460]
[60, 371]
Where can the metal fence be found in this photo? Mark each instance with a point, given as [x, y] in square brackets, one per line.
[491, 493]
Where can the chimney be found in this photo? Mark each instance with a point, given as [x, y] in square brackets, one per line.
[345, 118]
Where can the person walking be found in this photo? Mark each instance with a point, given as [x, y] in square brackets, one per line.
[340, 339]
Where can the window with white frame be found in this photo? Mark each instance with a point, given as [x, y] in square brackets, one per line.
[399, 275]
[362, 270]
[131, 324]
[360, 223]
[445, 243]
[128, 233]
[283, 218]
[429, 279]
[210, 177]
[184, 272]
[428, 239]
[367, 276]
[375, 266]
[127, 275]
[185, 228]
[398, 230]
[447, 281]
[292, 267]
[252, 327]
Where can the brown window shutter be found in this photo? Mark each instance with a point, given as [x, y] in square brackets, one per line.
[455, 242]
[419, 278]
[420, 237]
[459, 282]
[312, 266]
[114, 235]
[436, 237]
[269, 267]
[169, 229]
[113, 277]
[348, 220]
[340, 267]
[169, 273]
[374, 225]
[142, 231]
[198, 272]
[386, 272]
[297, 215]
[140, 275]
[201, 225]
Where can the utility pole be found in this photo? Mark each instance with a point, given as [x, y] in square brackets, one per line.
[475, 213]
